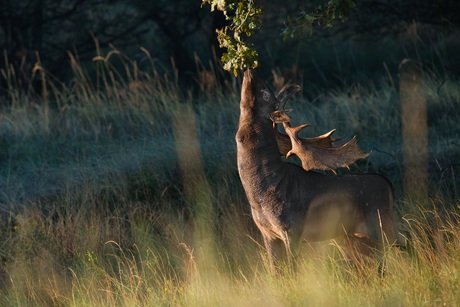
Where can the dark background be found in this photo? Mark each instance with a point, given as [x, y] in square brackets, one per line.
[369, 45]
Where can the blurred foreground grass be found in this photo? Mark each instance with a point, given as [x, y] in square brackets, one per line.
[100, 203]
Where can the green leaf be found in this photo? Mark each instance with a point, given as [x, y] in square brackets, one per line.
[245, 17]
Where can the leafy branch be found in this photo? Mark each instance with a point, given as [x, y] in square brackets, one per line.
[324, 16]
[245, 17]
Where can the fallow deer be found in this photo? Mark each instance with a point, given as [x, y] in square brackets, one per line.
[290, 204]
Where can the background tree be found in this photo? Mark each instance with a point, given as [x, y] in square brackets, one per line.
[362, 20]
[182, 31]
[174, 24]
[54, 28]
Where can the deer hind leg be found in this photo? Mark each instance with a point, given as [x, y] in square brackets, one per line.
[376, 232]
[377, 226]
[361, 251]
[362, 244]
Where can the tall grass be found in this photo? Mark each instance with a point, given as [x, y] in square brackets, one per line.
[98, 205]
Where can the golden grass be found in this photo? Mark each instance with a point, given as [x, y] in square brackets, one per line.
[98, 207]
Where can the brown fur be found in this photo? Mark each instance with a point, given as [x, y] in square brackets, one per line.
[289, 204]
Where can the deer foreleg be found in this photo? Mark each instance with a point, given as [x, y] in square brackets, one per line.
[279, 252]
[275, 252]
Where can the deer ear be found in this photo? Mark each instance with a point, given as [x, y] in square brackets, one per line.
[283, 141]
[319, 152]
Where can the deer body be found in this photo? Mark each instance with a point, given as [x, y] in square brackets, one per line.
[289, 204]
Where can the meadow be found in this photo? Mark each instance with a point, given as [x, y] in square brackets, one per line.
[120, 188]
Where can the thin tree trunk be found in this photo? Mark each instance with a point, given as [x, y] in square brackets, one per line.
[415, 131]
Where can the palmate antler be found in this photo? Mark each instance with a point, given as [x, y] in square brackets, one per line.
[314, 153]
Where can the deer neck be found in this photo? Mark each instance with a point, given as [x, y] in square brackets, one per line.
[259, 162]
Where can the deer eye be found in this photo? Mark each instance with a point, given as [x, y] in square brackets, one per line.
[266, 95]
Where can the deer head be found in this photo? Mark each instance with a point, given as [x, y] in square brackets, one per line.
[259, 100]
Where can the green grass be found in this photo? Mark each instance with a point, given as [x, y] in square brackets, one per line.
[100, 205]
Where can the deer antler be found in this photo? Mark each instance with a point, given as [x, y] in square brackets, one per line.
[315, 153]
[320, 152]
[289, 89]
